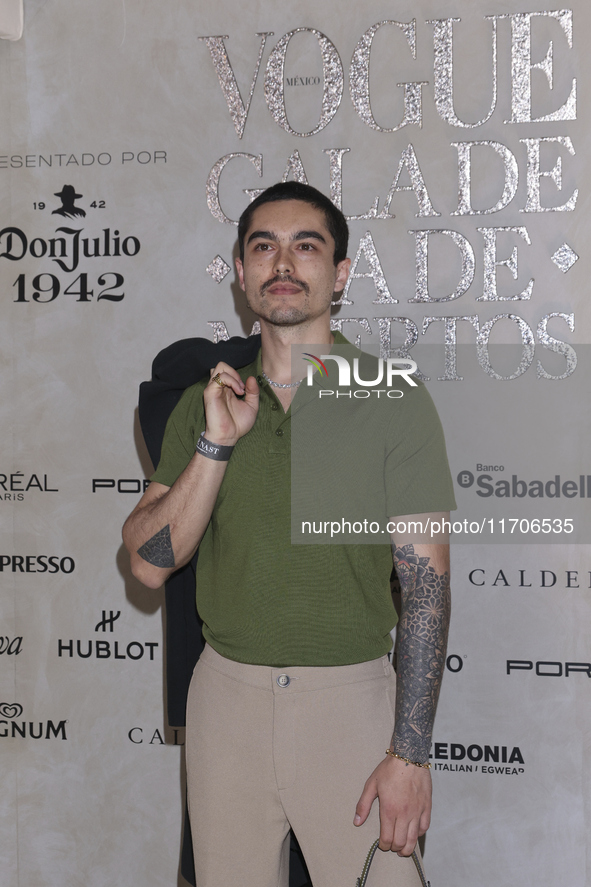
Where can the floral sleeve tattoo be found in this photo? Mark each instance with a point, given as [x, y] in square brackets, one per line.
[422, 639]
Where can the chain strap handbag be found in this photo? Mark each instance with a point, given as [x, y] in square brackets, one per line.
[361, 882]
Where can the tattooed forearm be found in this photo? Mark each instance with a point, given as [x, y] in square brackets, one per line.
[158, 550]
[422, 638]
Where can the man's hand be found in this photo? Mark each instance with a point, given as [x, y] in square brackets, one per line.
[404, 790]
[231, 408]
[165, 528]
[404, 795]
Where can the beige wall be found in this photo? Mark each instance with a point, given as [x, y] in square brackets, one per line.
[122, 102]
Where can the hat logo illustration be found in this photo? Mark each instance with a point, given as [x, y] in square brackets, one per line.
[67, 196]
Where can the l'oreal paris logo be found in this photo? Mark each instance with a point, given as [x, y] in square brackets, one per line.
[402, 367]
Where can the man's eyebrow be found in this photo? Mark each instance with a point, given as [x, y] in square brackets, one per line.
[299, 235]
[264, 235]
[309, 235]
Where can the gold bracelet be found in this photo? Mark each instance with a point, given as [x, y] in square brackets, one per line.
[393, 754]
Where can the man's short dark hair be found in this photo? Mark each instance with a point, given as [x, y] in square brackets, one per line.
[335, 220]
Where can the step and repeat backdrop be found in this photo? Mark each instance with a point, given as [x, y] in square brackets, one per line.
[455, 137]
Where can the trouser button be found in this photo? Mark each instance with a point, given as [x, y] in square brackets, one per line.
[283, 680]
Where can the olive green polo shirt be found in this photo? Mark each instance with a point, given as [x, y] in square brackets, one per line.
[263, 600]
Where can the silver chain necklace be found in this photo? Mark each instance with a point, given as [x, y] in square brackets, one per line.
[280, 384]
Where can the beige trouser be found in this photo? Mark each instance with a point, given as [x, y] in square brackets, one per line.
[269, 748]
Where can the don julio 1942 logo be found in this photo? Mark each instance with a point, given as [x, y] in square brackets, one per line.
[66, 253]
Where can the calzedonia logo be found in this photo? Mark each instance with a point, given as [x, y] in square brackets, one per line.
[157, 736]
[528, 578]
[13, 725]
[388, 371]
[492, 760]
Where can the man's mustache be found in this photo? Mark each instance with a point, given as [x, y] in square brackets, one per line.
[285, 278]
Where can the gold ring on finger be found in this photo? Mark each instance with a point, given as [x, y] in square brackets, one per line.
[218, 380]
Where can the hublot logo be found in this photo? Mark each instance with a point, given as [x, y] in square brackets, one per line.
[102, 649]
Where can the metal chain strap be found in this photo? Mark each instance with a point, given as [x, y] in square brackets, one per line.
[372, 852]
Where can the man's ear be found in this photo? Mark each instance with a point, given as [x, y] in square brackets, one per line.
[240, 269]
[343, 269]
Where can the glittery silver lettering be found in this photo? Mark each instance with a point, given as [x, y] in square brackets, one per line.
[367, 249]
[372, 212]
[253, 193]
[256, 329]
[450, 339]
[411, 334]
[332, 91]
[465, 176]
[337, 323]
[534, 174]
[564, 258]
[556, 345]
[408, 161]
[359, 79]
[335, 156]
[521, 66]
[220, 330]
[527, 339]
[444, 75]
[491, 263]
[413, 102]
[218, 269]
[212, 188]
[295, 168]
[238, 110]
[422, 265]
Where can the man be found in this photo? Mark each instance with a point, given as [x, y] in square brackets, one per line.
[294, 701]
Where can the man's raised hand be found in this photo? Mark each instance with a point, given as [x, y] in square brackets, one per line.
[231, 405]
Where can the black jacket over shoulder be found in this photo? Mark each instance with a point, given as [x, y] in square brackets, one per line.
[174, 369]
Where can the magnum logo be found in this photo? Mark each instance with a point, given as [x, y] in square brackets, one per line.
[17, 729]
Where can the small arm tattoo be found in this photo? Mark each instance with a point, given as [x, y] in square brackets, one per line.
[158, 550]
[422, 640]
